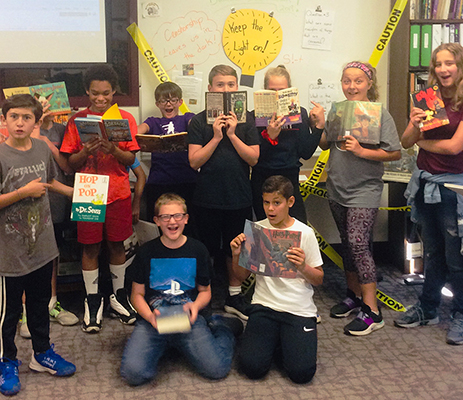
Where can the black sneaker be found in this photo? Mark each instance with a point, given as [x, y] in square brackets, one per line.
[232, 323]
[416, 316]
[121, 307]
[349, 305]
[366, 322]
[93, 313]
[237, 305]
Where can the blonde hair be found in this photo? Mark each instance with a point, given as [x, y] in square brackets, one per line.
[167, 198]
[373, 93]
[280, 70]
[224, 70]
[457, 51]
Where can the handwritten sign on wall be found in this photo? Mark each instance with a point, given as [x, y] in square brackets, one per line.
[318, 29]
[192, 38]
[324, 93]
[251, 39]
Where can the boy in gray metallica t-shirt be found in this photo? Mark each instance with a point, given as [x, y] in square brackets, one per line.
[27, 241]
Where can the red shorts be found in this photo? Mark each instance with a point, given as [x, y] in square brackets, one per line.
[116, 228]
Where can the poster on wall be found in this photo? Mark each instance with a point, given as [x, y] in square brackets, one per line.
[251, 39]
[318, 29]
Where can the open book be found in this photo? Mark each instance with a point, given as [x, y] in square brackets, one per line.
[361, 119]
[282, 102]
[430, 102]
[264, 251]
[218, 103]
[163, 143]
[111, 126]
[55, 93]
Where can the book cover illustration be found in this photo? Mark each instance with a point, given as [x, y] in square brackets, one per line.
[264, 251]
[361, 119]
[114, 130]
[283, 102]
[90, 197]
[55, 93]
[163, 143]
[88, 128]
[430, 102]
[218, 103]
[117, 130]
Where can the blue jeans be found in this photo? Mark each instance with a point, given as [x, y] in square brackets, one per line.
[209, 351]
[441, 244]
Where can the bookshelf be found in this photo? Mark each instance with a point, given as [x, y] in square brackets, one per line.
[401, 74]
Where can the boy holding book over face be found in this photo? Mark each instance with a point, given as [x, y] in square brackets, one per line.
[171, 171]
[223, 151]
[100, 156]
[27, 241]
[170, 271]
[283, 313]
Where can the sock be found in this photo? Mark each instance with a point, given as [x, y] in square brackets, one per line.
[91, 281]
[234, 290]
[118, 275]
[51, 304]
[24, 309]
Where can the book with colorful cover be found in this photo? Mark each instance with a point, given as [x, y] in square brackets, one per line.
[430, 101]
[264, 252]
[111, 126]
[163, 143]
[361, 119]
[218, 103]
[55, 93]
[90, 197]
[284, 102]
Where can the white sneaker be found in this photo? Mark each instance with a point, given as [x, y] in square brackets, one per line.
[59, 314]
[122, 308]
[23, 329]
[93, 313]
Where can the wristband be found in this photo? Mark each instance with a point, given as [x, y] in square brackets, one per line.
[265, 135]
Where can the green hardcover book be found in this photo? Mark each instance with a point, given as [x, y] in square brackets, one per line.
[426, 45]
[415, 45]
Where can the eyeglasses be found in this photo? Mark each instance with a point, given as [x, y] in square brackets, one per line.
[172, 101]
[167, 217]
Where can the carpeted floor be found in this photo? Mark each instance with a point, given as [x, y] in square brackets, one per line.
[389, 364]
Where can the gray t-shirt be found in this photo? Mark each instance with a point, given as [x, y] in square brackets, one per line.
[27, 241]
[357, 182]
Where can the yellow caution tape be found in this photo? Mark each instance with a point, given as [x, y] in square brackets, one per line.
[403, 208]
[337, 259]
[147, 51]
[389, 301]
[315, 175]
[327, 249]
[387, 32]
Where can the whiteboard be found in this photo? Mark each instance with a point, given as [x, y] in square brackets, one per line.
[185, 32]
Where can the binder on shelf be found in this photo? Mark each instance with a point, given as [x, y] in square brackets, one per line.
[446, 33]
[414, 45]
[436, 36]
[426, 35]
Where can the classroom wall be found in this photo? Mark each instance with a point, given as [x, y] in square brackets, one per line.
[186, 31]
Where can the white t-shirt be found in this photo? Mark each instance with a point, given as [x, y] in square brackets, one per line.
[291, 295]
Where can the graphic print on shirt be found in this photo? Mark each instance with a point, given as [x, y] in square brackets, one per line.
[173, 279]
